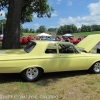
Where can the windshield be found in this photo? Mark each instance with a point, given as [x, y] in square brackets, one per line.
[29, 47]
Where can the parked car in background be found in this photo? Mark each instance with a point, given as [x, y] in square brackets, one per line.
[40, 57]
[74, 40]
[25, 40]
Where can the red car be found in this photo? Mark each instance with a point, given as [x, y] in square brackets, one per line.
[74, 40]
[23, 40]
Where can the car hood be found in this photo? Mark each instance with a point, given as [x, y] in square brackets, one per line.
[89, 42]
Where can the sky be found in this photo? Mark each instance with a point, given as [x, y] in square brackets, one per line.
[66, 12]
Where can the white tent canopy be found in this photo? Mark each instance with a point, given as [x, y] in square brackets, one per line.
[43, 34]
[67, 34]
[1, 36]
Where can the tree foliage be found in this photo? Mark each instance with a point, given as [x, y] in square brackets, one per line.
[67, 29]
[41, 29]
[52, 29]
[73, 29]
[29, 8]
[21, 11]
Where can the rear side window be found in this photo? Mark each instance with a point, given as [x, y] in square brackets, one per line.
[51, 48]
[30, 47]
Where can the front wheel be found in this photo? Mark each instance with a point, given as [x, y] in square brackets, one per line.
[95, 68]
[31, 74]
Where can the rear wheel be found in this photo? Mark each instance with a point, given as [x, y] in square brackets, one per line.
[95, 68]
[31, 74]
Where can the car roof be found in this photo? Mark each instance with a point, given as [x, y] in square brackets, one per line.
[43, 45]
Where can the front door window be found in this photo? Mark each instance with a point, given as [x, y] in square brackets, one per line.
[67, 48]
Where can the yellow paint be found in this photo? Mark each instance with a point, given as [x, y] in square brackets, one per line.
[15, 61]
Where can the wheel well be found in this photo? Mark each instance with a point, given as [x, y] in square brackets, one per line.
[33, 67]
[92, 68]
[94, 63]
[41, 69]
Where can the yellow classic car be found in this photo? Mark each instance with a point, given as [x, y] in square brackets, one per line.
[40, 57]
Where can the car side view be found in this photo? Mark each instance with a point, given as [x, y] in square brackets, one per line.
[40, 57]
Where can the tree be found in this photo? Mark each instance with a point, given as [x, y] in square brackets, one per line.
[67, 29]
[74, 28]
[32, 30]
[41, 29]
[52, 29]
[60, 30]
[12, 29]
[95, 27]
[26, 30]
[20, 11]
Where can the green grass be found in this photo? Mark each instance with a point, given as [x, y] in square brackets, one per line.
[34, 34]
[79, 85]
[75, 34]
[85, 33]
[27, 34]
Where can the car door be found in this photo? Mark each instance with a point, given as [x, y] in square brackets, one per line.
[51, 63]
[70, 58]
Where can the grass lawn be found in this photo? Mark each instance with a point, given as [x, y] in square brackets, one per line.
[79, 85]
[75, 34]
[34, 34]
[27, 34]
[85, 33]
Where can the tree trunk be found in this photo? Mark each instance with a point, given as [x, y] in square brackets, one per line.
[12, 29]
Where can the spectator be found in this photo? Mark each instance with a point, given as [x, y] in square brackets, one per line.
[79, 38]
[67, 39]
[57, 38]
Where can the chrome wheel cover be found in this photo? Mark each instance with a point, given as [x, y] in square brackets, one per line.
[32, 73]
[97, 67]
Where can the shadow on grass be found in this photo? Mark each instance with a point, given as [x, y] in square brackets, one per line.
[45, 79]
[53, 77]
[7, 78]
